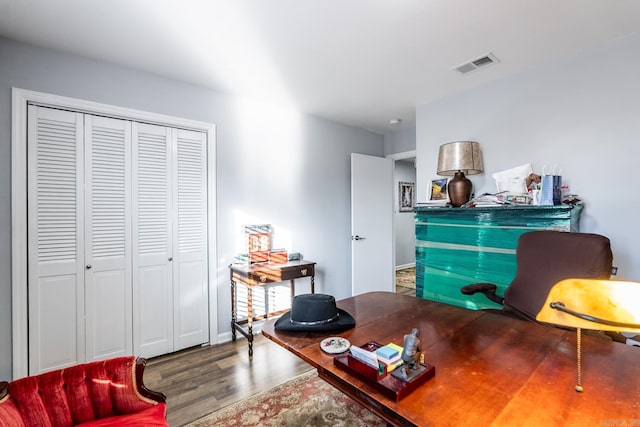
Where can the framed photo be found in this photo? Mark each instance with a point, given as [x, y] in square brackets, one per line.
[438, 189]
[406, 196]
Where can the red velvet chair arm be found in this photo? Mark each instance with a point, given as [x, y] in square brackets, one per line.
[142, 389]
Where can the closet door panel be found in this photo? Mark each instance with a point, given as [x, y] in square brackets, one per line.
[55, 244]
[190, 249]
[108, 237]
[152, 243]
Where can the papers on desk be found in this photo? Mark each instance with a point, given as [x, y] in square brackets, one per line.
[432, 203]
[488, 199]
[368, 357]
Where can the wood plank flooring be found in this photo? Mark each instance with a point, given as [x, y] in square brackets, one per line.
[201, 380]
[406, 281]
[402, 290]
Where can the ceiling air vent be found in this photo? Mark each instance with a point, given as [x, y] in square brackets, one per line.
[473, 65]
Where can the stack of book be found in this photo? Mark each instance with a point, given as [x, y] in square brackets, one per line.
[390, 355]
[241, 259]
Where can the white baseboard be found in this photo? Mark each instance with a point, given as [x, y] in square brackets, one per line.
[404, 266]
[226, 336]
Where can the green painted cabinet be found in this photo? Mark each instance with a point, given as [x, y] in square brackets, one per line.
[459, 246]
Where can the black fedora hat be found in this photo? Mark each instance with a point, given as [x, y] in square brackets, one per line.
[314, 312]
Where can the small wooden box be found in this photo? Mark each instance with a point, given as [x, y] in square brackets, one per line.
[256, 257]
[278, 257]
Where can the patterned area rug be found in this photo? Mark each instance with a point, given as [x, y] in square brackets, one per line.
[406, 277]
[304, 401]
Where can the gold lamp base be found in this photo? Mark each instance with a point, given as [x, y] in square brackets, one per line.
[459, 189]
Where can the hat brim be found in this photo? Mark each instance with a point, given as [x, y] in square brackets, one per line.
[342, 323]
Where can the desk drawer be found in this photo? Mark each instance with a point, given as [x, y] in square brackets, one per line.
[298, 272]
[280, 275]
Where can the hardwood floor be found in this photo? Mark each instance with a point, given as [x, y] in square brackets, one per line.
[406, 281]
[402, 290]
[201, 380]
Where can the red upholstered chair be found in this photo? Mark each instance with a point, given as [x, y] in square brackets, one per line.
[96, 394]
[543, 259]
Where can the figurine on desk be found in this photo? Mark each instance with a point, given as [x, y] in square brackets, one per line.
[411, 356]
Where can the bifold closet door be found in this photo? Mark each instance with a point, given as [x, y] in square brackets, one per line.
[108, 237]
[55, 203]
[170, 291]
[117, 238]
[152, 244]
[190, 270]
[79, 238]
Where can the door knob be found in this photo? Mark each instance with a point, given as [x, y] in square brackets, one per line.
[170, 258]
[88, 266]
[358, 237]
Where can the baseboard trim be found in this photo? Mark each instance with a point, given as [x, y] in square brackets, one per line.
[405, 266]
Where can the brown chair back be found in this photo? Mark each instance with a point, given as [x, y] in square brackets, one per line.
[546, 257]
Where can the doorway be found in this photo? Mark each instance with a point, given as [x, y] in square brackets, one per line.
[404, 224]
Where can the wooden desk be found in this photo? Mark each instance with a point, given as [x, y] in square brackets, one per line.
[261, 275]
[491, 369]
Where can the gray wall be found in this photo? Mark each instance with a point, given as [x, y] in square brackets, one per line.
[581, 112]
[400, 140]
[403, 222]
[273, 165]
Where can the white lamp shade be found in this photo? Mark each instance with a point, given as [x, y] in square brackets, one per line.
[464, 156]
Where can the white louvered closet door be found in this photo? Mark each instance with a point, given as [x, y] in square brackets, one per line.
[152, 244]
[190, 239]
[55, 243]
[117, 238]
[108, 237]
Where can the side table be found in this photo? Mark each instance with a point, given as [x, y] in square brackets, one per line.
[260, 275]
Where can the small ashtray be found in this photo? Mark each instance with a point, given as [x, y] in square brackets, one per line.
[335, 345]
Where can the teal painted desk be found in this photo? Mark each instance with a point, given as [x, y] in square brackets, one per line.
[459, 246]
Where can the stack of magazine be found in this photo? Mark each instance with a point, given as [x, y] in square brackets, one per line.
[488, 199]
[437, 202]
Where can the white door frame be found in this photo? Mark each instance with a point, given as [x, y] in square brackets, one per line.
[19, 271]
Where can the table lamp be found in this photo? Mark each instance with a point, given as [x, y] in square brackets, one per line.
[603, 305]
[457, 159]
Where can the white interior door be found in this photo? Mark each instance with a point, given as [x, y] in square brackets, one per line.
[152, 256]
[190, 272]
[372, 256]
[170, 245]
[55, 239]
[108, 237]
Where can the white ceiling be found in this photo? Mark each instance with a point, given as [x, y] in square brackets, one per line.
[359, 62]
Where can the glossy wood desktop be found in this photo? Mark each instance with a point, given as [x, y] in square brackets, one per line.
[491, 369]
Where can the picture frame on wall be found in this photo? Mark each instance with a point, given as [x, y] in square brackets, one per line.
[406, 196]
[438, 189]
